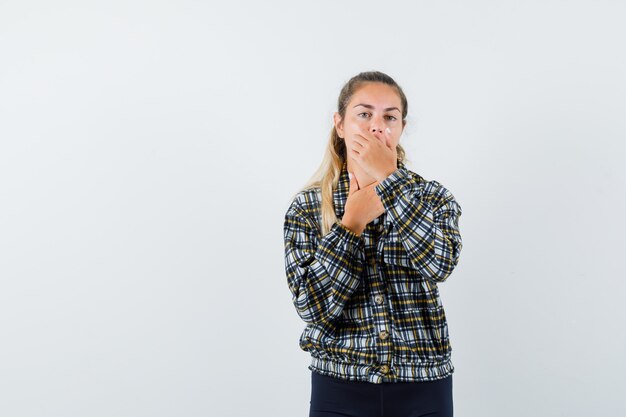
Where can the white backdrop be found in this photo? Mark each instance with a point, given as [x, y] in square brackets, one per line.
[149, 150]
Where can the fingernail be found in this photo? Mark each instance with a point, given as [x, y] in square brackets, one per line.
[350, 175]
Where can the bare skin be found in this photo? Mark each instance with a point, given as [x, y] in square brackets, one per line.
[371, 130]
[362, 206]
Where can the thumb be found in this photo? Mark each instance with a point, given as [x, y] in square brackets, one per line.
[354, 184]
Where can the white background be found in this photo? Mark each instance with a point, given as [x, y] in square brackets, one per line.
[149, 150]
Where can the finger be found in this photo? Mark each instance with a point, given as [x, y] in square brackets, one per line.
[380, 138]
[359, 141]
[373, 185]
[354, 184]
[362, 136]
[353, 153]
[351, 184]
[390, 144]
[369, 136]
[366, 138]
[388, 137]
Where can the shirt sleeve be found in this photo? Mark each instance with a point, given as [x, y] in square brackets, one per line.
[427, 221]
[322, 273]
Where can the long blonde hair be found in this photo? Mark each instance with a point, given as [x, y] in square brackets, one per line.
[327, 175]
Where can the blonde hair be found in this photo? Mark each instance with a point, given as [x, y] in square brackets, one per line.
[327, 175]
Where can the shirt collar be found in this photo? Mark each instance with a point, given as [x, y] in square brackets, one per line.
[340, 194]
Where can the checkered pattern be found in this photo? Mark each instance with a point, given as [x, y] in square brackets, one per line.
[371, 303]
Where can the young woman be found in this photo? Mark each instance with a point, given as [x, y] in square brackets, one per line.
[367, 241]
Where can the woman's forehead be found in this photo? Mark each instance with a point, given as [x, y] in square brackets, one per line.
[378, 95]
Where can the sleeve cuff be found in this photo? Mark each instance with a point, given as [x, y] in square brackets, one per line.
[346, 234]
[390, 186]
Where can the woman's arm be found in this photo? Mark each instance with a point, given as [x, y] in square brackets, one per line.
[427, 222]
[322, 273]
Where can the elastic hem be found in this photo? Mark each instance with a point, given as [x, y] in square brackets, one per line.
[399, 372]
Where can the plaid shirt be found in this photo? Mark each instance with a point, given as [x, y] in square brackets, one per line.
[371, 303]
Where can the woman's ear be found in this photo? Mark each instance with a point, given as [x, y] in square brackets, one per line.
[338, 124]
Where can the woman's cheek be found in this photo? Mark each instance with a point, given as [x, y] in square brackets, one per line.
[357, 125]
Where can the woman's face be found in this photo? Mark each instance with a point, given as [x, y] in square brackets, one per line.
[373, 108]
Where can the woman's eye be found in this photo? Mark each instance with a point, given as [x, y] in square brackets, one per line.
[393, 118]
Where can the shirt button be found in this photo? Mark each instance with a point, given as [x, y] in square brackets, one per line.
[383, 334]
[384, 369]
[378, 298]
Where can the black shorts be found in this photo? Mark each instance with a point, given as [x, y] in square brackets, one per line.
[334, 397]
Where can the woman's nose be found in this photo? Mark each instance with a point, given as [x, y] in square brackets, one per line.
[376, 125]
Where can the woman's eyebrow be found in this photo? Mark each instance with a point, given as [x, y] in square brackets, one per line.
[369, 106]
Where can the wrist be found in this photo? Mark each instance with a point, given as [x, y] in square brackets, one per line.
[352, 225]
[386, 175]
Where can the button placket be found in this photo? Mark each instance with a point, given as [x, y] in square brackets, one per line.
[380, 316]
